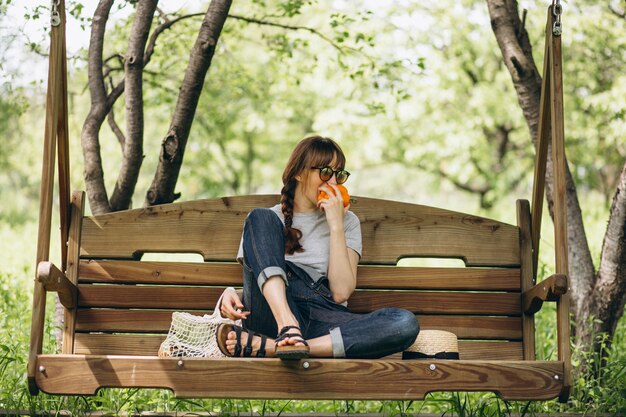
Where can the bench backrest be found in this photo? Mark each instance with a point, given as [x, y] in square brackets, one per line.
[125, 304]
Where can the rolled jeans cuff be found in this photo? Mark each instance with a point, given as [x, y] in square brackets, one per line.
[337, 343]
[269, 272]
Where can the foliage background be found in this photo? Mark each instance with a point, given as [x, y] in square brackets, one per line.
[416, 94]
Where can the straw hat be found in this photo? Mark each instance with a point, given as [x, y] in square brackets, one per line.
[433, 344]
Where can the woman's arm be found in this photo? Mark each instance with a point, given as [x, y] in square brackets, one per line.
[342, 262]
[342, 272]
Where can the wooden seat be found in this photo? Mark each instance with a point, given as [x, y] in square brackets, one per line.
[119, 308]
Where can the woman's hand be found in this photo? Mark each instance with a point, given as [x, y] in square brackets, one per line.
[333, 206]
[231, 305]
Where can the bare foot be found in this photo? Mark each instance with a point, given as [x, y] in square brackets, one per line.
[231, 343]
[295, 340]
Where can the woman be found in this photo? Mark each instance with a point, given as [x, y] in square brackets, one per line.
[300, 263]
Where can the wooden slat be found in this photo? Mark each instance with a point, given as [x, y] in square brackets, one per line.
[541, 154]
[117, 344]
[273, 378]
[148, 345]
[77, 213]
[467, 327]
[471, 279]
[501, 351]
[131, 296]
[369, 277]
[63, 147]
[391, 231]
[132, 321]
[560, 204]
[438, 302]
[209, 227]
[527, 278]
[158, 321]
[140, 272]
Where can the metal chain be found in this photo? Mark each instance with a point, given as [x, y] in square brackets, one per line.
[557, 10]
[55, 17]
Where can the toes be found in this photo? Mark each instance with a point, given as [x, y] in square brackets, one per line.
[230, 346]
[296, 341]
[291, 341]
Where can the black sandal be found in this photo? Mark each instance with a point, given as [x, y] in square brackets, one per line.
[291, 351]
[222, 335]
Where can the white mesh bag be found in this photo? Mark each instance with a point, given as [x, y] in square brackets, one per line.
[194, 336]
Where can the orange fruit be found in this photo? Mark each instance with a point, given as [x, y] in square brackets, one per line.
[344, 194]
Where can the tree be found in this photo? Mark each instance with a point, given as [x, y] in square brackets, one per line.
[462, 130]
[105, 91]
[598, 293]
[138, 55]
[14, 102]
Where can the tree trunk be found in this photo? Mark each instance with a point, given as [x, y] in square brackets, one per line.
[601, 296]
[90, 141]
[133, 87]
[173, 146]
[517, 53]
[609, 294]
[102, 106]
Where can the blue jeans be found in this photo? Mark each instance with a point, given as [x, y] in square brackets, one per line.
[373, 335]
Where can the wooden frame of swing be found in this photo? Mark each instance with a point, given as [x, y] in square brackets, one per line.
[72, 373]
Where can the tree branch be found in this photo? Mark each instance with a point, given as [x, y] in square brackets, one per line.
[114, 126]
[133, 87]
[290, 27]
[616, 10]
[94, 175]
[168, 23]
[119, 88]
[110, 69]
[173, 146]
[610, 289]
[102, 104]
[455, 181]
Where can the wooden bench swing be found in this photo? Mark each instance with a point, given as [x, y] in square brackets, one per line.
[118, 308]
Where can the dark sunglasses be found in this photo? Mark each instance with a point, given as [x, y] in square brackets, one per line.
[326, 173]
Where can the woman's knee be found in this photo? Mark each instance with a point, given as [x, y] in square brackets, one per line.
[407, 326]
[260, 214]
[263, 217]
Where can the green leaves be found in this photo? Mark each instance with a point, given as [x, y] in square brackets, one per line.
[291, 8]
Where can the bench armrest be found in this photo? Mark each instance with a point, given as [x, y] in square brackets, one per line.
[53, 279]
[550, 289]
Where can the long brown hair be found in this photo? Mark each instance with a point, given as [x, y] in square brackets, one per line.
[313, 151]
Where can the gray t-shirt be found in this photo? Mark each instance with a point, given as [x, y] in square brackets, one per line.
[316, 240]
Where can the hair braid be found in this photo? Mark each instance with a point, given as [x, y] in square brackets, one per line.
[292, 235]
